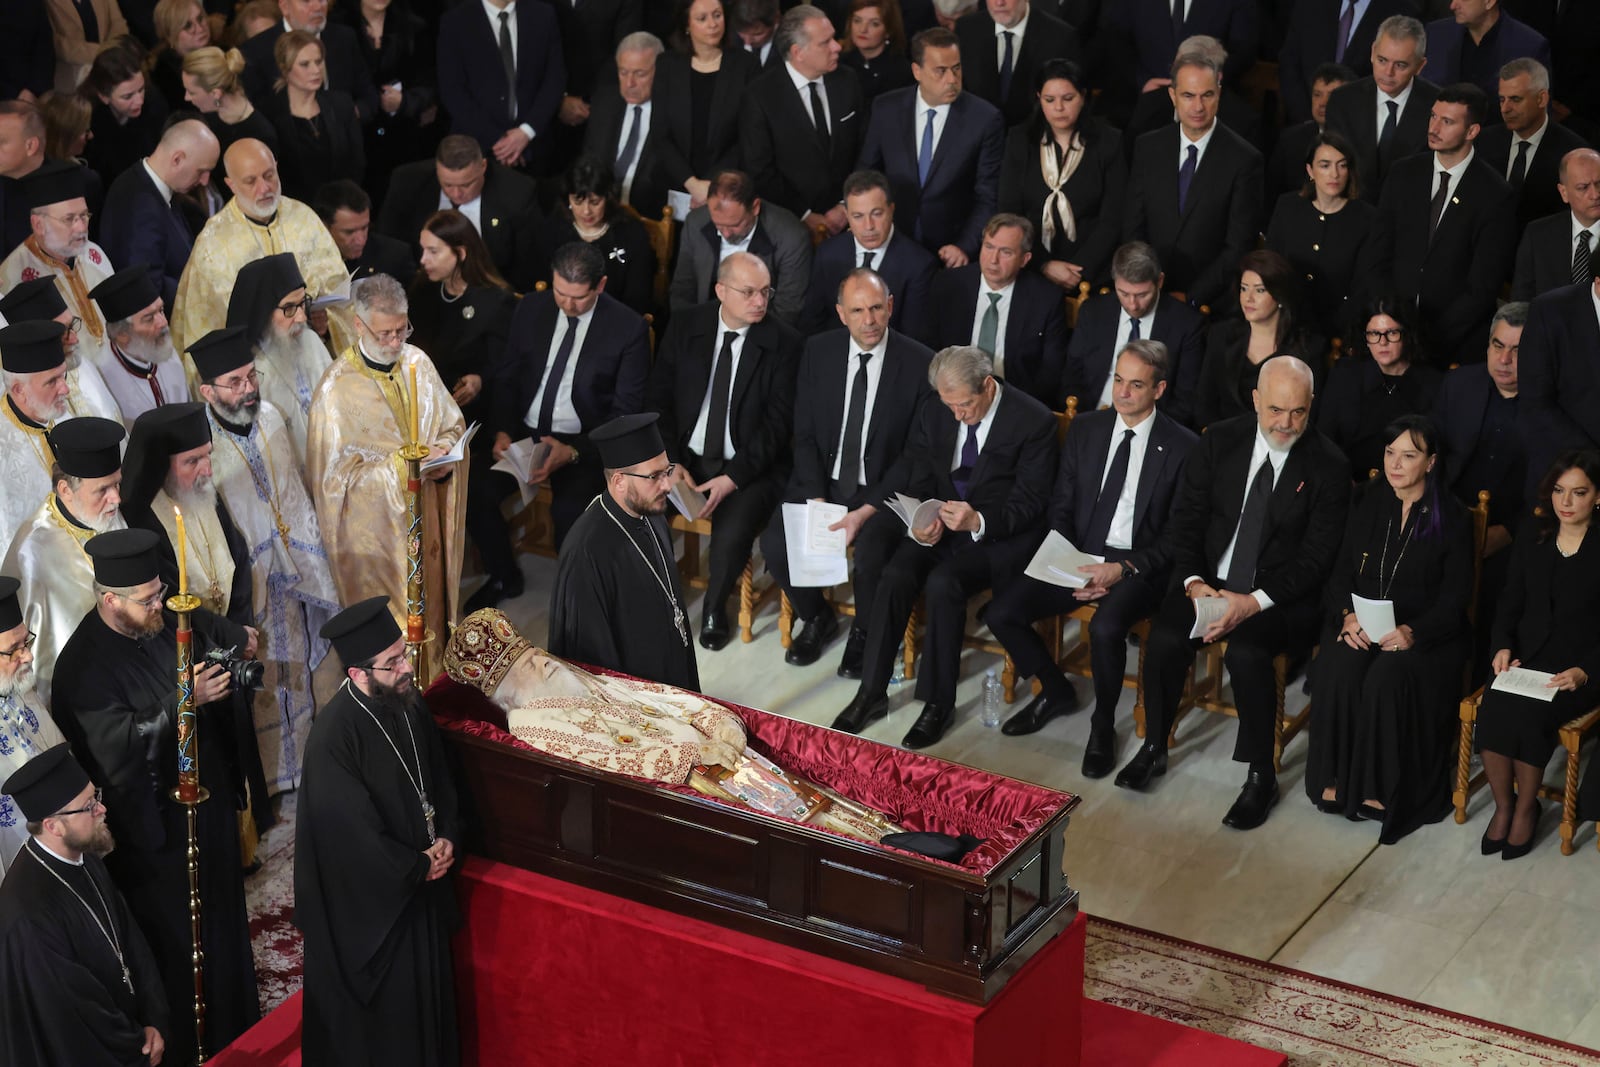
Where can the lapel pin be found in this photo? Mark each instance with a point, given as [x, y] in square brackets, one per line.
[494, 222]
[1299, 487]
[468, 311]
[1455, 200]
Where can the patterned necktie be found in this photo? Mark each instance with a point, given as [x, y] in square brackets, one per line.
[1436, 211]
[925, 153]
[854, 425]
[1519, 166]
[1582, 271]
[1105, 505]
[508, 60]
[1006, 65]
[1186, 176]
[1347, 22]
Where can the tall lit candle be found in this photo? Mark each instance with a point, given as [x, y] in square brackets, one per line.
[416, 436]
[183, 553]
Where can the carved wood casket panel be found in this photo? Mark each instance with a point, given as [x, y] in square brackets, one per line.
[959, 928]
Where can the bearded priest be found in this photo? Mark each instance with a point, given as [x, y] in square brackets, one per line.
[26, 728]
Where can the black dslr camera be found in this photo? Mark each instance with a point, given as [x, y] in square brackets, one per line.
[244, 675]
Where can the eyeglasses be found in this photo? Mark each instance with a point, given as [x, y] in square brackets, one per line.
[253, 378]
[91, 806]
[1374, 336]
[20, 649]
[75, 325]
[392, 668]
[74, 219]
[661, 476]
[384, 337]
[768, 293]
[295, 307]
[148, 602]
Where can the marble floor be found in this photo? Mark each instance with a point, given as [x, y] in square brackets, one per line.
[1428, 919]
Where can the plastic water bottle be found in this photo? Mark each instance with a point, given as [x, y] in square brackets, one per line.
[992, 699]
[899, 675]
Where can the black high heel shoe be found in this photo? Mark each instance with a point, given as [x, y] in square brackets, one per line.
[1491, 845]
[1516, 852]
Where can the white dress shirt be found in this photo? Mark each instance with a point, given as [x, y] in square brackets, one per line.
[800, 82]
[472, 209]
[697, 440]
[941, 112]
[563, 417]
[161, 187]
[875, 357]
[622, 139]
[1147, 325]
[1200, 146]
[728, 247]
[1455, 173]
[1004, 307]
[1383, 107]
[1120, 535]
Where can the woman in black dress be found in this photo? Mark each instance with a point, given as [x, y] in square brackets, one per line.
[319, 133]
[1548, 620]
[1330, 235]
[700, 84]
[1383, 718]
[875, 46]
[1064, 171]
[127, 114]
[588, 211]
[399, 55]
[181, 27]
[1236, 348]
[211, 86]
[1381, 377]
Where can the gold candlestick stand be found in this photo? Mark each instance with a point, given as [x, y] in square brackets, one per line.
[191, 794]
[416, 590]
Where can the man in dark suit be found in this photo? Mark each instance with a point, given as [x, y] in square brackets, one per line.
[1135, 309]
[1329, 31]
[845, 442]
[1453, 224]
[1558, 249]
[140, 223]
[754, 24]
[501, 81]
[346, 210]
[1014, 315]
[1153, 109]
[577, 359]
[1286, 166]
[941, 150]
[989, 452]
[622, 126]
[1257, 524]
[500, 202]
[1155, 33]
[1385, 116]
[1003, 44]
[1195, 188]
[723, 383]
[1558, 404]
[733, 219]
[1478, 41]
[1573, 30]
[1115, 483]
[905, 266]
[590, 30]
[1527, 149]
[341, 55]
[802, 122]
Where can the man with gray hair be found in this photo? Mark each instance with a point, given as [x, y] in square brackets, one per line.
[1526, 148]
[986, 455]
[803, 121]
[1254, 532]
[948, 12]
[1385, 115]
[138, 362]
[624, 127]
[380, 395]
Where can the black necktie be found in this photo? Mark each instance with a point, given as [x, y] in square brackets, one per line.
[558, 371]
[630, 145]
[1436, 211]
[717, 412]
[1386, 135]
[1519, 166]
[1006, 64]
[1105, 505]
[819, 118]
[866, 259]
[1247, 542]
[854, 423]
[508, 60]
[1133, 329]
[1582, 271]
[1177, 23]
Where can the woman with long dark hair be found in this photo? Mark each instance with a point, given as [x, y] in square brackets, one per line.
[128, 112]
[1382, 730]
[1268, 326]
[1382, 376]
[1548, 619]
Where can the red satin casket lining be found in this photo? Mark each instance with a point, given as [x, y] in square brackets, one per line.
[918, 792]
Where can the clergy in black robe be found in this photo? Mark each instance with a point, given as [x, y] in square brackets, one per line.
[81, 986]
[374, 841]
[116, 701]
[618, 601]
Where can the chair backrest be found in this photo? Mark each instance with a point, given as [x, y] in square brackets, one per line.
[1074, 301]
[1064, 418]
[1480, 538]
[663, 234]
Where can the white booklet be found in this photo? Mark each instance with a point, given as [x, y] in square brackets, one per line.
[820, 540]
[689, 501]
[1375, 616]
[1207, 610]
[1058, 560]
[520, 461]
[811, 566]
[456, 454]
[1535, 685]
[916, 514]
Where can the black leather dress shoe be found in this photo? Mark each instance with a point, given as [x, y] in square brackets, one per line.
[929, 727]
[855, 650]
[1100, 754]
[714, 629]
[1148, 764]
[860, 711]
[1258, 797]
[808, 643]
[1040, 710]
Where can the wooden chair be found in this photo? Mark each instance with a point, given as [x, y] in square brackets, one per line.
[663, 234]
[1074, 304]
[750, 597]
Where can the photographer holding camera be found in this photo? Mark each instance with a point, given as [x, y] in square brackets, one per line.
[116, 699]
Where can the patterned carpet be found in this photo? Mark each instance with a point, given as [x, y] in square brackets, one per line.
[1314, 1021]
